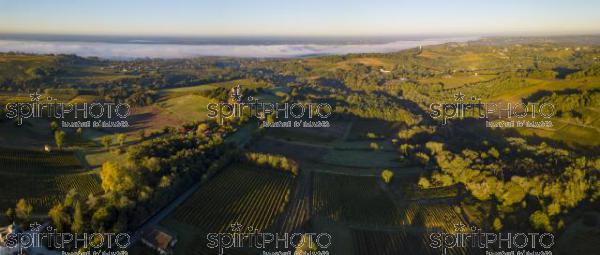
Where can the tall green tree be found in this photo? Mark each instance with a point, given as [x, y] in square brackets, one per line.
[121, 139]
[59, 217]
[387, 175]
[106, 141]
[23, 210]
[115, 178]
[59, 138]
[78, 220]
[10, 214]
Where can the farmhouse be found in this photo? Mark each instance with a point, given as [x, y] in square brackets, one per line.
[159, 240]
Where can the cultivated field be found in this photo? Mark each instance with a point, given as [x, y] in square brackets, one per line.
[42, 178]
[248, 196]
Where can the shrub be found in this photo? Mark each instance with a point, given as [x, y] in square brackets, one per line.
[424, 183]
[387, 175]
[272, 161]
[540, 220]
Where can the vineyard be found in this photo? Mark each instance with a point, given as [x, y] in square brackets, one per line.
[380, 222]
[432, 216]
[238, 195]
[42, 178]
[297, 215]
[353, 200]
[44, 191]
[404, 241]
[38, 162]
[388, 243]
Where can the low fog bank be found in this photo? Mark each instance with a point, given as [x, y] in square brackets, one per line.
[133, 50]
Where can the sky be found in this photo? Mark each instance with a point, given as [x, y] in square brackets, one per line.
[299, 18]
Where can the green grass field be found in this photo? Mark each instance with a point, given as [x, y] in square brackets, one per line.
[245, 83]
[187, 105]
[187, 108]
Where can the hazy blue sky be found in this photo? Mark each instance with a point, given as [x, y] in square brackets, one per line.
[311, 17]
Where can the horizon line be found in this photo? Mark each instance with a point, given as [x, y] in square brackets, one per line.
[316, 35]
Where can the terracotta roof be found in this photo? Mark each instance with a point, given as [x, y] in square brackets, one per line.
[158, 238]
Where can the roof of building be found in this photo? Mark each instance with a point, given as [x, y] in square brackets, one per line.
[158, 238]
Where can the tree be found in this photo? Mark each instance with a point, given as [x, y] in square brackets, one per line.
[424, 183]
[78, 221]
[270, 118]
[294, 92]
[59, 138]
[92, 201]
[59, 217]
[497, 224]
[434, 147]
[305, 245]
[115, 178]
[23, 210]
[121, 139]
[514, 193]
[404, 148]
[494, 153]
[103, 218]
[442, 179]
[10, 214]
[374, 146]
[387, 175]
[71, 197]
[539, 220]
[553, 209]
[106, 141]
[165, 181]
[54, 126]
[202, 128]
[142, 134]
[272, 161]
[422, 158]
